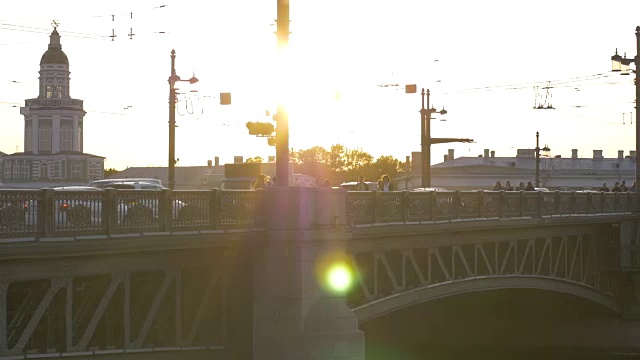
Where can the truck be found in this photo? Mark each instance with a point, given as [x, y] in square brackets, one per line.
[241, 176]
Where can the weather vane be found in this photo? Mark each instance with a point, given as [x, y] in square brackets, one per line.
[55, 24]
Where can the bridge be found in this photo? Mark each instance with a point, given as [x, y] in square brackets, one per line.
[241, 274]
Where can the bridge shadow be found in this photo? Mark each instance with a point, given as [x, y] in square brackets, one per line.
[497, 324]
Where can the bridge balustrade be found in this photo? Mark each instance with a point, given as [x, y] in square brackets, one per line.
[49, 213]
[369, 207]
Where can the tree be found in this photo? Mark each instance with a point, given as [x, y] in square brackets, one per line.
[340, 164]
[110, 172]
[255, 159]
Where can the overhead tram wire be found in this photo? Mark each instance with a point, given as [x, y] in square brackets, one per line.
[527, 85]
[4, 25]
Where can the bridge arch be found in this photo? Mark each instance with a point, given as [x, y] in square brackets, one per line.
[395, 302]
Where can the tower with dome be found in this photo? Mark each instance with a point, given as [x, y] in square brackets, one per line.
[53, 131]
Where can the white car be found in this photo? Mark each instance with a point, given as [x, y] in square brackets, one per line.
[139, 209]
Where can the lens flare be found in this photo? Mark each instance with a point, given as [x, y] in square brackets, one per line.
[339, 278]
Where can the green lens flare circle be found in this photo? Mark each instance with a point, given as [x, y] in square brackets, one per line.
[339, 278]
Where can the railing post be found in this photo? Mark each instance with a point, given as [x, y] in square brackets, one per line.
[558, 200]
[589, 203]
[431, 204]
[45, 213]
[109, 209]
[540, 204]
[457, 204]
[522, 201]
[481, 203]
[405, 206]
[214, 208]
[616, 202]
[574, 208]
[376, 205]
[503, 203]
[165, 210]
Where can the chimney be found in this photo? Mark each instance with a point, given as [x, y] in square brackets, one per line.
[238, 159]
[486, 153]
[632, 153]
[574, 153]
[407, 163]
[217, 161]
[451, 154]
[209, 163]
[446, 157]
[597, 154]
[620, 154]
[493, 153]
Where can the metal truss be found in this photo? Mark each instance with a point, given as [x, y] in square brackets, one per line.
[171, 304]
[583, 260]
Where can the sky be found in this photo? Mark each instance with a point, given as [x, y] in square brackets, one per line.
[487, 63]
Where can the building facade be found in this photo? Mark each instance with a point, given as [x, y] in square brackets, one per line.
[555, 172]
[53, 132]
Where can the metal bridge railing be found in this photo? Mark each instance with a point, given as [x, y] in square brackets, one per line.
[49, 213]
[369, 207]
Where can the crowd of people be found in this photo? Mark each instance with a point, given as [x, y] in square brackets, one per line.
[507, 186]
[618, 187]
[384, 184]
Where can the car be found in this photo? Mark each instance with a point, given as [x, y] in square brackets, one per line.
[351, 185]
[140, 207]
[71, 204]
[430, 189]
[104, 182]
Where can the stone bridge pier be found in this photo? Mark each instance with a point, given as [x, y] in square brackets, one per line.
[295, 316]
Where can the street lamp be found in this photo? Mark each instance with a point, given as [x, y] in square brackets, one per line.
[425, 134]
[173, 79]
[621, 64]
[545, 149]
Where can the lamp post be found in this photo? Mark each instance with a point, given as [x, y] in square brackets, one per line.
[173, 79]
[545, 149]
[282, 117]
[425, 134]
[621, 64]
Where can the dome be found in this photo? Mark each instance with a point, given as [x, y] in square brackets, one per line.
[54, 55]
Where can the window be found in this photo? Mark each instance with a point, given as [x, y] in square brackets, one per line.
[28, 139]
[44, 138]
[7, 170]
[16, 170]
[58, 92]
[44, 170]
[93, 171]
[24, 174]
[54, 172]
[66, 138]
[49, 91]
[76, 169]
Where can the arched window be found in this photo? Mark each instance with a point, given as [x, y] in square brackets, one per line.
[24, 174]
[44, 138]
[57, 92]
[16, 169]
[44, 170]
[7, 170]
[76, 169]
[28, 139]
[66, 138]
[49, 93]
